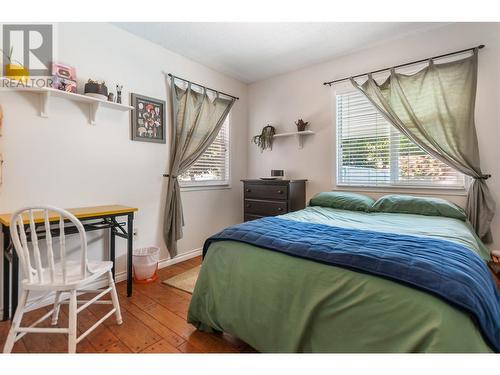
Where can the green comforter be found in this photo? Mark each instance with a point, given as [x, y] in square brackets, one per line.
[279, 303]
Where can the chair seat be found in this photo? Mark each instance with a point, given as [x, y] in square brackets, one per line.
[95, 269]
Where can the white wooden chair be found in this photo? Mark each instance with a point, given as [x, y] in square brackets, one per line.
[58, 276]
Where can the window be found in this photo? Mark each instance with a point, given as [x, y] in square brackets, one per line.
[212, 168]
[372, 152]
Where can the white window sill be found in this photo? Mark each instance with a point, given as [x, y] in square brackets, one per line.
[188, 188]
[404, 189]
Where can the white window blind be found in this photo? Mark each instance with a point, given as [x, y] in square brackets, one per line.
[372, 152]
[212, 168]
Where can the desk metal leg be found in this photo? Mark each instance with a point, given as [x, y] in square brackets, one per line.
[112, 241]
[130, 241]
[6, 274]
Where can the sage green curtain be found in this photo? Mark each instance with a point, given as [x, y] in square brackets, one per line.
[196, 121]
[435, 109]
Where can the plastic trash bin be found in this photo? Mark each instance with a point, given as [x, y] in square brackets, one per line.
[145, 264]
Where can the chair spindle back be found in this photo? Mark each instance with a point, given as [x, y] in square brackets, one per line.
[25, 222]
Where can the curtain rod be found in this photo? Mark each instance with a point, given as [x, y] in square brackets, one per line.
[405, 64]
[207, 88]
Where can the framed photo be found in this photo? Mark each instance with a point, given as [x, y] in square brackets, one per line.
[148, 119]
[64, 78]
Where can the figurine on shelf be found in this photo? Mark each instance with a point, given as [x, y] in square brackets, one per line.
[111, 97]
[301, 125]
[119, 93]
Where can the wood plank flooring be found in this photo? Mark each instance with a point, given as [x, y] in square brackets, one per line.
[154, 321]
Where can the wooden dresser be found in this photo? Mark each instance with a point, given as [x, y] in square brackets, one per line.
[272, 197]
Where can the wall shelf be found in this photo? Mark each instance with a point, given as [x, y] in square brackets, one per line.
[46, 93]
[300, 136]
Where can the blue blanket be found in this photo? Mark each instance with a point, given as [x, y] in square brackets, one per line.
[443, 268]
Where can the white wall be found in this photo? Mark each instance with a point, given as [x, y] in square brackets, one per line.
[64, 161]
[281, 100]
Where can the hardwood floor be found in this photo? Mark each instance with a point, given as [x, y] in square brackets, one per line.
[154, 321]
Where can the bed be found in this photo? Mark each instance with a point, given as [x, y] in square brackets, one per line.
[283, 302]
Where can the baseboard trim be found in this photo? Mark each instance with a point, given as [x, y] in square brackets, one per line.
[122, 276]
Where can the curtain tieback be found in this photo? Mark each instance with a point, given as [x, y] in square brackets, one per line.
[169, 176]
[483, 177]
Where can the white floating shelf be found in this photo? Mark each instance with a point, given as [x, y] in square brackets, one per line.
[300, 136]
[46, 93]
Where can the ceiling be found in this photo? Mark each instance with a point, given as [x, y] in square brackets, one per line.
[252, 52]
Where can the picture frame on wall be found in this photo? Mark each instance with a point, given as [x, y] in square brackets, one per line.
[148, 119]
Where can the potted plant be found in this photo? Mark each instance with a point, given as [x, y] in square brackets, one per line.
[301, 125]
[265, 139]
[15, 71]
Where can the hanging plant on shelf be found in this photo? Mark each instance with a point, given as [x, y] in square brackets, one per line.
[265, 139]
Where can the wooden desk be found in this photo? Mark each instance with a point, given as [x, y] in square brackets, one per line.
[92, 218]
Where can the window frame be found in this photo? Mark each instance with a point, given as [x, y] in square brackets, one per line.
[213, 184]
[431, 189]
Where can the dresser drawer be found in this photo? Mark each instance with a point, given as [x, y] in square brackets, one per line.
[266, 191]
[264, 208]
[248, 217]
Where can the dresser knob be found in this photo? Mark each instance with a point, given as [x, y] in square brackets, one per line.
[249, 205]
[248, 190]
[280, 191]
[280, 209]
